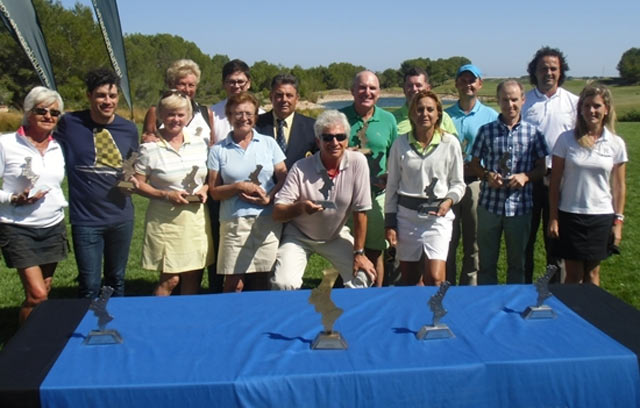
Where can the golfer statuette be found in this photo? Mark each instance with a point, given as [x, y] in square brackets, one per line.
[433, 203]
[99, 307]
[320, 297]
[540, 310]
[28, 173]
[505, 167]
[189, 185]
[127, 172]
[436, 330]
[325, 190]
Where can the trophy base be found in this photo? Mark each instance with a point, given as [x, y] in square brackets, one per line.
[125, 185]
[192, 198]
[440, 331]
[328, 205]
[100, 337]
[539, 312]
[425, 209]
[329, 341]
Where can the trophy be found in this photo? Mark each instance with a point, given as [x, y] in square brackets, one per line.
[102, 335]
[433, 202]
[189, 185]
[436, 330]
[127, 172]
[325, 190]
[505, 167]
[28, 174]
[541, 311]
[253, 177]
[362, 139]
[376, 179]
[320, 297]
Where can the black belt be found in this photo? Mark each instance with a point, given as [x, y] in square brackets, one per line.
[411, 203]
[470, 179]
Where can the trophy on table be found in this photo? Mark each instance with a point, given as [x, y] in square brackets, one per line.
[436, 330]
[320, 297]
[102, 335]
[505, 167]
[127, 172]
[189, 185]
[433, 202]
[540, 310]
[327, 185]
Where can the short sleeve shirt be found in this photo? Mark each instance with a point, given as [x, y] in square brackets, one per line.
[468, 124]
[350, 192]
[235, 164]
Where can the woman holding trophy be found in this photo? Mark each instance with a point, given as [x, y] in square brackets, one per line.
[425, 180]
[172, 173]
[33, 236]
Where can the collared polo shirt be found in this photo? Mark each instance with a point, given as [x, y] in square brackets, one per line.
[435, 141]
[235, 164]
[551, 115]
[350, 192]
[166, 168]
[404, 124]
[468, 124]
[381, 132]
[526, 145]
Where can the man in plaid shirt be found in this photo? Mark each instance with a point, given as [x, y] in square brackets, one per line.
[508, 154]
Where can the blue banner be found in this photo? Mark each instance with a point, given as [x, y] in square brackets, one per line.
[109, 22]
[21, 20]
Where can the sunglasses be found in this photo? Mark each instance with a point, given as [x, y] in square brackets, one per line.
[173, 92]
[43, 111]
[340, 137]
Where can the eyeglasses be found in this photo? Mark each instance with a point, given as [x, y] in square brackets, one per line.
[240, 115]
[43, 111]
[238, 82]
[328, 137]
[173, 92]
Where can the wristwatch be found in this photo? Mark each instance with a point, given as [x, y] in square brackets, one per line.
[358, 252]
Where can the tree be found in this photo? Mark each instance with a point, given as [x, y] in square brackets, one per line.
[389, 78]
[629, 65]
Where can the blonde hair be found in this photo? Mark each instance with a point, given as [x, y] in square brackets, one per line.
[413, 107]
[180, 69]
[174, 100]
[581, 132]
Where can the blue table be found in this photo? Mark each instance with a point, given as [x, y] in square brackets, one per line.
[253, 349]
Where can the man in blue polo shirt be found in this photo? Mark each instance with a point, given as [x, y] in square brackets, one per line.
[508, 154]
[468, 115]
[95, 143]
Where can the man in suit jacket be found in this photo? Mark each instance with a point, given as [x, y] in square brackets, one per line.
[292, 131]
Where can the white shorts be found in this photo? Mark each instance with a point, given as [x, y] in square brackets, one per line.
[416, 235]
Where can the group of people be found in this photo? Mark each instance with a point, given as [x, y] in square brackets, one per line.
[250, 195]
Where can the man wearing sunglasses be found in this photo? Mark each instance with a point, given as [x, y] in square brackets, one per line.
[95, 143]
[318, 195]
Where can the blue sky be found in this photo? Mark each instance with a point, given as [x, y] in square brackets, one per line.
[499, 36]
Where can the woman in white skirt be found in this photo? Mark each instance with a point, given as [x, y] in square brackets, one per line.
[172, 172]
[241, 174]
[425, 180]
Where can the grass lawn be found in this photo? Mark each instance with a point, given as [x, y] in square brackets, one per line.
[618, 274]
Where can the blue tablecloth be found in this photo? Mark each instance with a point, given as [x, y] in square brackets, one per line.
[253, 349]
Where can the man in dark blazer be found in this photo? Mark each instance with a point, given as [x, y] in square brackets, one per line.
[292, 131]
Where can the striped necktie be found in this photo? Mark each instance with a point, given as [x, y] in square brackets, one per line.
[280, 136]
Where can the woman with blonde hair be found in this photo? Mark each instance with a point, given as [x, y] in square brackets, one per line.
[588, 189]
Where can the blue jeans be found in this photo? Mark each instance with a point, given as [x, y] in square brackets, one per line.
[90, 243]
[516, 235]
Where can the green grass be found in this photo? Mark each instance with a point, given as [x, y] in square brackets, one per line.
[618, 274]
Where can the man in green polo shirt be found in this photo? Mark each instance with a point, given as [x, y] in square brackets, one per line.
[415, 80]
[373, 130]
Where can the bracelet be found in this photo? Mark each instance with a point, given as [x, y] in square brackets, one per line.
[358, 252]
[620, 217]
[617, 221]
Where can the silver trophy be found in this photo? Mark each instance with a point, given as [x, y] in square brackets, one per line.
[540, 310]
[436, 330]
[325, 190]
[189, 185]
[102, 335]
[28, 174]
[433, 202]
[128, 170]
[505, 167]
[320, 297]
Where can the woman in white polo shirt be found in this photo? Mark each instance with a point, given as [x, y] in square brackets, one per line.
[587, 189]
[33, 236]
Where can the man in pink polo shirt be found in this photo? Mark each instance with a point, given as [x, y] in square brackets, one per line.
[317, 197]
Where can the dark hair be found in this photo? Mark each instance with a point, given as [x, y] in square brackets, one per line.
[415, 71]
[547, 52]
[101, 76]
[284, 79]
[235, 65]
[239, 98]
